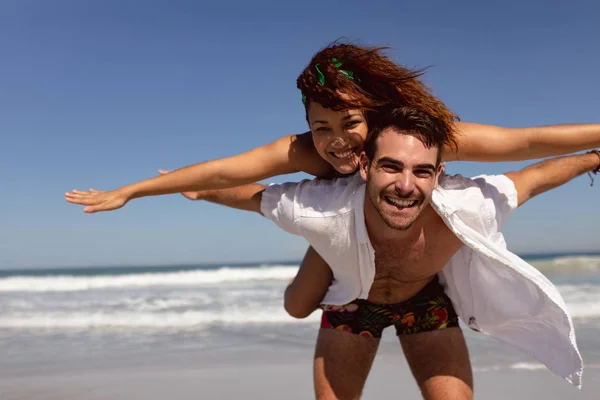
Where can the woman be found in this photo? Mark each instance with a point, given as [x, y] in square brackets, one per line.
[340, 86]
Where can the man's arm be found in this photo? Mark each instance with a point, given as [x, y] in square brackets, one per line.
[549, 174]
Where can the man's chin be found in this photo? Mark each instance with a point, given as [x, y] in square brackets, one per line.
[400, 224]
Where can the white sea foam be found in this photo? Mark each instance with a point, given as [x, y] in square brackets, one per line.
[583, 301]
[66, 283]
[528, 366]
[148, 320]
[159, 304]
[569, 265]
[146, 302]
[189, 299]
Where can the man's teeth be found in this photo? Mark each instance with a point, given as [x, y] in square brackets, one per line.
[343, 154]
[402, 203]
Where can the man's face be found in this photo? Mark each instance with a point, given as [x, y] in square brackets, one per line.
[400, 178]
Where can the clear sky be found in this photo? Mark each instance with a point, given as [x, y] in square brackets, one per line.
[101, 94]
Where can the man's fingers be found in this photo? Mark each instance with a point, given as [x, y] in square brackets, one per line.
[163, 171]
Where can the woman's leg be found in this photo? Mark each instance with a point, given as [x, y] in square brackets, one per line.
[304, 294]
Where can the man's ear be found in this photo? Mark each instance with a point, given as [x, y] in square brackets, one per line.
[439, 171]
[364, 166]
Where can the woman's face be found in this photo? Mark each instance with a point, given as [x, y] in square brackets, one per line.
[338, 136]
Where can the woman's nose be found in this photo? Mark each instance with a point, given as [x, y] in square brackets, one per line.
[339, 142]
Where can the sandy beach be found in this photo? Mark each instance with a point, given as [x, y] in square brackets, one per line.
[256, 372]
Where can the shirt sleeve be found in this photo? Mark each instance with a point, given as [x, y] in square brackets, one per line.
[500, 195]
[278, 204]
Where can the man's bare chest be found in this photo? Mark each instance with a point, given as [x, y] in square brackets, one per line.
[417, 259]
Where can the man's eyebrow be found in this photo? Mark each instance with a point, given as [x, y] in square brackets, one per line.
[390, 160]
[319, 122]
[425, 166]
[399, 163]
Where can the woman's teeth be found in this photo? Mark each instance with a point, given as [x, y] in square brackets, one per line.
[343, 154]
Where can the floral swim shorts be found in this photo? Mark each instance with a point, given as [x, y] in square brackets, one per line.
[428, 310]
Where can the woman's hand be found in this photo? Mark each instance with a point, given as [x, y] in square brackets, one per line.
[97, 200]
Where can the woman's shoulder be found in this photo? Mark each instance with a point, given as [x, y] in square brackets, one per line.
[306, 158]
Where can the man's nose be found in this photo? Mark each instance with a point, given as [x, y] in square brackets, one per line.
[405, 183]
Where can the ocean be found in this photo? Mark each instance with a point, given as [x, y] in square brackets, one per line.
[87, 315]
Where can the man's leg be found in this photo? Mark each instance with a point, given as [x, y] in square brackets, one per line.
[439, 361]
[342, 363]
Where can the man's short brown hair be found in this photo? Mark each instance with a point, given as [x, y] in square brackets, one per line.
[410, 121]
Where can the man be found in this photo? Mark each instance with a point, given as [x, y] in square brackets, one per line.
[393, 238]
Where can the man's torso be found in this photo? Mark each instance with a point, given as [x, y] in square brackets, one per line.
[404, 267]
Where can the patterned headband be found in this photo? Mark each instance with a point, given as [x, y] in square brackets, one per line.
[337, 64]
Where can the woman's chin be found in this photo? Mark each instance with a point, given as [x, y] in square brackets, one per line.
[346, 167]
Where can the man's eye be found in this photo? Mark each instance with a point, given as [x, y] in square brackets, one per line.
[390, 168]
[322, 129]
[424, 173]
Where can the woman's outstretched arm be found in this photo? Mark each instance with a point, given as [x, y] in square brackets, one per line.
[286, 155]
[489, 143]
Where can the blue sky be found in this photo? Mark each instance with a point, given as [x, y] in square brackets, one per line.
[101, 94]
